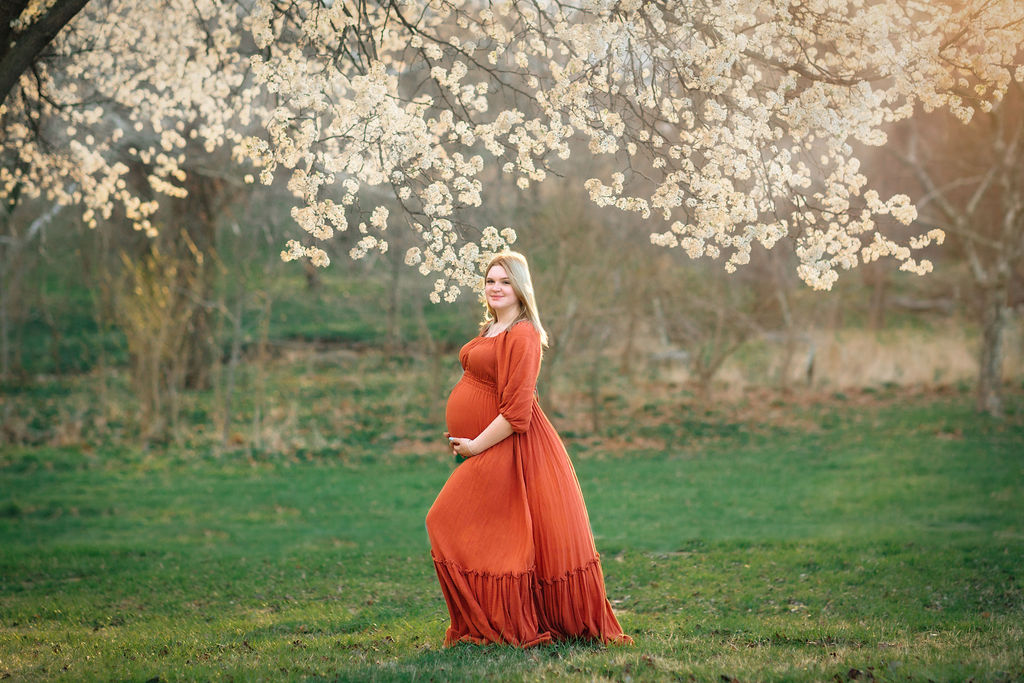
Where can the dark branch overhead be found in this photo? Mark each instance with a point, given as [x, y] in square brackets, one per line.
[19, 49]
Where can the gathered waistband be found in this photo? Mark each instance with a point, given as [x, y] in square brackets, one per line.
[473, 379]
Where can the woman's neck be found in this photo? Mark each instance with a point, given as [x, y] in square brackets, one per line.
[505, 317]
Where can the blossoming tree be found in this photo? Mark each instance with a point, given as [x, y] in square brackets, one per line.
[727, 124]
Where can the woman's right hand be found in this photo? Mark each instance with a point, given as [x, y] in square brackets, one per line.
[461, 447]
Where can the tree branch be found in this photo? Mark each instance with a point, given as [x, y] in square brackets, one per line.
[27, 45]
[9, 12]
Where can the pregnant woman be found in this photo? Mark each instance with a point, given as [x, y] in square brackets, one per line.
[509, 533]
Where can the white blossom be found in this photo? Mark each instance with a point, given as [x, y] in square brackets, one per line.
[733, 123]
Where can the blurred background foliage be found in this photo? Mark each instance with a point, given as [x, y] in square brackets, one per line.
[204, 336]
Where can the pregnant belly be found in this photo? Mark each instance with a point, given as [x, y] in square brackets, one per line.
[471, 407]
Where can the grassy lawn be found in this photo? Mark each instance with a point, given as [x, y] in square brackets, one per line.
[852, 540]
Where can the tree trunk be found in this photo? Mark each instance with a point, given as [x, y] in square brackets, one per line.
[13, 264]
[876, 319]
[5, 348]
[236, 353]
[312, 273]
[201, 346]
[195, 250]
[782, 284]
[626, 363]
[191, 236]
[786, 364]
[394, 313]
[990, 366]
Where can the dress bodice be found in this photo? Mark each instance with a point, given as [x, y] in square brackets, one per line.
[479, 358]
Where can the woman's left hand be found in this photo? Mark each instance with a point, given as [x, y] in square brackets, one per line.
[462, 446]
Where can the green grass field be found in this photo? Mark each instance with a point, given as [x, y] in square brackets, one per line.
[848, 540]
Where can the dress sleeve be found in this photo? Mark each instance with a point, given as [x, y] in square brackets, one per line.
[518, 365]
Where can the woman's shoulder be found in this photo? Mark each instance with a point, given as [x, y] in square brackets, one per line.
[523, 329]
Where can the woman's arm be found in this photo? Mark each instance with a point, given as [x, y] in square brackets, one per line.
[494, 433]
[518, 364]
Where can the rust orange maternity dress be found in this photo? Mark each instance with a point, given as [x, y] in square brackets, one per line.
[509, 533]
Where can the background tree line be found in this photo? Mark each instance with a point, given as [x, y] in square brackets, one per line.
[209, 299]
[184, 304]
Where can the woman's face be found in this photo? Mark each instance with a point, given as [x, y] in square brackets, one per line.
[498, 290]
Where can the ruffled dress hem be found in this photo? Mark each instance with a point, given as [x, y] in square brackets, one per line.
[497, 606]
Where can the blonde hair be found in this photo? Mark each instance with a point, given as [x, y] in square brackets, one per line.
[518, 273]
